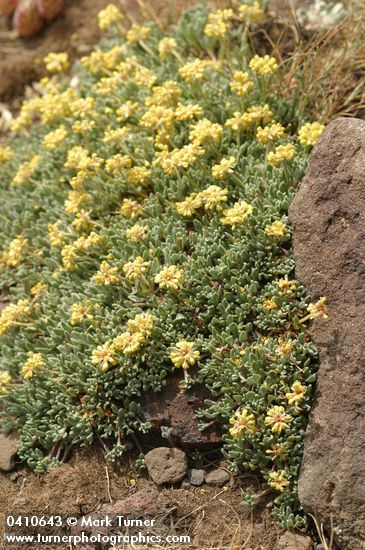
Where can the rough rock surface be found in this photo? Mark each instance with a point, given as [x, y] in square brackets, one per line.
[172, 413]
[166, 466]
[328, 214]
[217, 478]
[292, 541]
[8, 446]
[196, 477]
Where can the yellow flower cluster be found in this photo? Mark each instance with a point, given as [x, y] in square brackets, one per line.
[278, 480]
[205, 131]
[220, 171]
[131, 208]
[34, 361]
[166, 95]
[26, 171]
[310, 133]
[136, 233]
[56, 62]
[278, 419]
[297, 393]
[56, 236]
[254, 115]
[237, 214]
[12, 314]
[135, 269]
[252, 14]
[15, 252]
[241, 422]
[140, 328]
[184, 354]
[211, 198]
[170, 277]
[172, 161]
[270, 133]
[55, 138]
[195, 70]
[109, 16]
[5, 380]
[139, 175]
[319, 309]
[5, 154]
[37, 289]
[276, 229]
[116, 164]
[263, 65]
[167, 46]
[137, 33]
[81, 312]
[241, 83]
[107, 275]
[218, 23]
[282, 153]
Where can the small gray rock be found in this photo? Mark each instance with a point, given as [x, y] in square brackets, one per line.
[166, 466]
[186, 484]
[196, 477]
[293, 541]
[8, 448]
[217, 478]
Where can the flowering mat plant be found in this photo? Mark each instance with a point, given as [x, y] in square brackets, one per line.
[144, 229]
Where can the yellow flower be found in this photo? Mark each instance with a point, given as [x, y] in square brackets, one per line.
[170, 277]
[130, 208]
[297, 394]
[116, 135]
[109, 16]
[13, 313]
[107, 275]
[56, 236]
[205, 131]
[263, 65]
[310, 133]
[37, 289]
[115, 165]
[218, 23]
[195, 70]
[285, 347]
[166, 95]
[241, 422]
[56, 62]
[188, 206]
[278, 450]
[219, 171]
[26, 171]
[5, 379]
[269, 304]
[104, 356]
[53, 139]
[318, 309]
[252, 14]
[270, 133]
[139, 175]
[278, 480]
[278, 419]
[170, 162]
[81, 311]
[135, 269]
[137, 33]
[184, 354]
[15, 253]
[286, 286]
[34, 361]
[136, 233]
[276, 229]
[128, 342]
[213, 196]
[166, 47]
[142, 323]
[5, 154]
[82, 221]
[282, 153]
[236, 214]
[241, 83]
[188, 112]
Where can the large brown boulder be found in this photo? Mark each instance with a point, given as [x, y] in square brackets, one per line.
[328, 214]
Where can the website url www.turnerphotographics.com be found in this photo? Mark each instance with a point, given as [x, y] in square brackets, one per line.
[141, 531]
